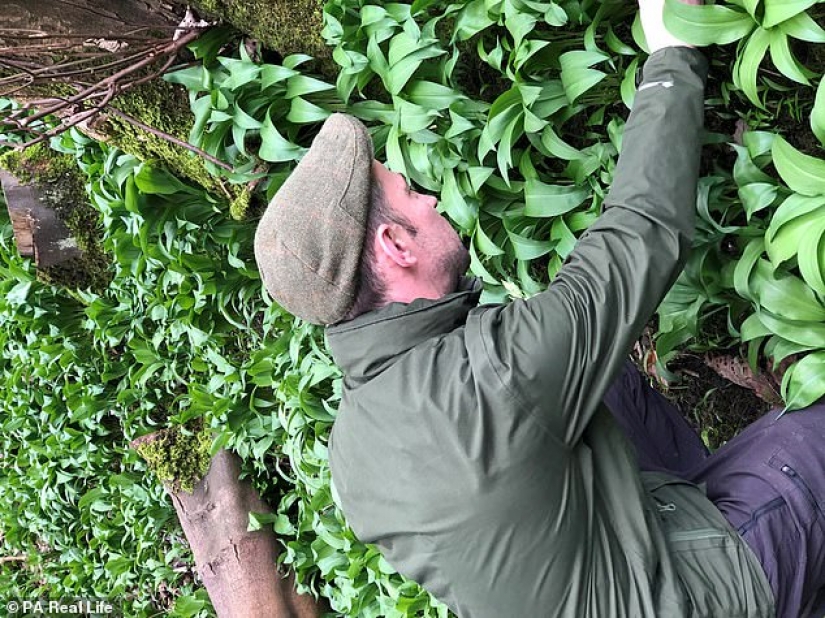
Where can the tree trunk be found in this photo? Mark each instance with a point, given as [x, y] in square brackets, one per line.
[238, 567]
[74, 21]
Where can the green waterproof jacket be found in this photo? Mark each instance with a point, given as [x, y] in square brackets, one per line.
[473, 449]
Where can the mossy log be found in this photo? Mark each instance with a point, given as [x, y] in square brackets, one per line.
[237, 567]
[284, 26]
[38, 231]
[61, 201]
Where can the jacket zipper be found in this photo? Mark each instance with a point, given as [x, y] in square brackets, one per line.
[696, 535]
[790, 473]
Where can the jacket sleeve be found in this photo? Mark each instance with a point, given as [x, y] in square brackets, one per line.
[558, 352]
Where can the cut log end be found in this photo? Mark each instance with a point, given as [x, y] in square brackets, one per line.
[38, 231]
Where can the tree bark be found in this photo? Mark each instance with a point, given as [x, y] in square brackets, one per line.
[238, 567]
[77, 20]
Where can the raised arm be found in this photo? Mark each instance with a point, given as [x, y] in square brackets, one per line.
[559, 351]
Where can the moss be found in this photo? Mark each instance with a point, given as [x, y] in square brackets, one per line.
[165, 107]
[240, 205]
[179, 457]
[60, 183]
[286, 26]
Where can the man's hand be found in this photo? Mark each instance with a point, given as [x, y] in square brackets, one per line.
[656, 34]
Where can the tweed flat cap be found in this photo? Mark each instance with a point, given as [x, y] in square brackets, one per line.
[308, 243]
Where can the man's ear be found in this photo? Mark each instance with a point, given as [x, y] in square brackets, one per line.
[393, 242]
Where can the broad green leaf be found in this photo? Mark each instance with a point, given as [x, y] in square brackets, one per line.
[804, 382]
[243, 120]
[777, 11]
[790, 223]
[706, 24]
[421, 5]
[757, 196]
[478, 176]
[273, 74]
[753, 328]
[274, 147]
[194, 79]
[372, 111]
[295, 60]
[811, 255]
[745, 267]
[241, 72]
[157, 181]
[478, 269]
[558, 147]
[526, 248]
[785, 296]
[412, 117]
[455, 205]
[804, 28]
[507, 107]
[818, 113]
[543, 200]
[758, 143]
[302, 111]
[628, 86]
[300, 85]
[555, 15]
[750, 6]
[639, 34]
[576, 75]
[746, 67]
[400, 71]
[504, 152]
[565, 240]
[616, 45]
[784, 60]
[802, 173]
[526, 51]
[804, 333]
[745, 171]
[432, 95]
[519, 26]
[485, 244]
[471, 20]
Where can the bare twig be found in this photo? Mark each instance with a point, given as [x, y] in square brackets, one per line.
[73, 121]
[4, 559]
[171, 48]
[169, 138]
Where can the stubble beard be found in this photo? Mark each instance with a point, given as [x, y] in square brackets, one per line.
[456, 262]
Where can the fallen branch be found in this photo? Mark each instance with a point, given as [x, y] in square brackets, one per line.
[238, 567]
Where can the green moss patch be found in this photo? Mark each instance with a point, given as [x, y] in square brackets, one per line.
[60, 183]
[178, 456]
[286, 26]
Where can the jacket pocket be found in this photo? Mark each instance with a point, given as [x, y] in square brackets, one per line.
[718, 573]
[801, 497]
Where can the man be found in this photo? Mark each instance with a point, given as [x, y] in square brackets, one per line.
[475, 446]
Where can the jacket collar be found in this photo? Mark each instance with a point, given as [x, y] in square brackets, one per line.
[370, 343]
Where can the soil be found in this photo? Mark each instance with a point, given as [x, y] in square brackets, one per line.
[717, 408]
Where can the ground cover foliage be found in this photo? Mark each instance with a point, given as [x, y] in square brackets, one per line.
[512, 112]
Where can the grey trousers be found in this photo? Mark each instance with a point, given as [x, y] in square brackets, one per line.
[769, 482]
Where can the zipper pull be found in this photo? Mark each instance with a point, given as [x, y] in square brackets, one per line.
[666, 507]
